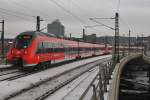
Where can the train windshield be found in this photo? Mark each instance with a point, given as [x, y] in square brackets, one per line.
[23, 41]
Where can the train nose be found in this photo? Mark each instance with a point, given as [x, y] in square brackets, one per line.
[18, 53]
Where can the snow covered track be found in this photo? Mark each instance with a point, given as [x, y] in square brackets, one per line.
[10, 75]
[8, 72]
[76, 87]
[47, 87]
[85, 86]
[6, 67]
[14, 88]
[15, 75]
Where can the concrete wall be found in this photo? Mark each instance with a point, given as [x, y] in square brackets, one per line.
[146, 58]
[114, 86]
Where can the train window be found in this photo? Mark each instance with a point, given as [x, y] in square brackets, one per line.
[47, 47]
[23, 41]
[40, 48]
[58, 47]
[50, 45]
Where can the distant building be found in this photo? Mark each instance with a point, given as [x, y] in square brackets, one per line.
[110, 40]
[89, 38]
[56, 28]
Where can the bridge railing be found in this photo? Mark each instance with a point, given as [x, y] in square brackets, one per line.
[98, 86]
[114, 86]
[146, 58]
[99, 89]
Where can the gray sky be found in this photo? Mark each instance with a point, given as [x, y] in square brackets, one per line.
[19, 15]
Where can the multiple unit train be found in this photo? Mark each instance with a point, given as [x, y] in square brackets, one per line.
[33, 48]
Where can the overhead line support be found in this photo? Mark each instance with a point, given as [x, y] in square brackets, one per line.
[38, 23]
[2, 39]
[129, 42]
[116, 39]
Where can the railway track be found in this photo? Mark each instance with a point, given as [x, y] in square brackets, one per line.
[8, 72]
[14, 76]
[47, 87]
[11, 73]
[6, 68]
[84, 80]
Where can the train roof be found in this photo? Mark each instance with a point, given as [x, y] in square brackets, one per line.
[35, 33]
[66, 41]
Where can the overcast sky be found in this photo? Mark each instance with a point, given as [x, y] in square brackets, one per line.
[19, 15]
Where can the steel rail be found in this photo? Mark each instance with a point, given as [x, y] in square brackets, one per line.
[49, 92]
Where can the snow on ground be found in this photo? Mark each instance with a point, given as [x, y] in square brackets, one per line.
[10, 87]
[106, 94]
[89, 94]
[79, 90]
[5, 66]
[8, 71]
[68, 88]
[33, 94]
[2, 77]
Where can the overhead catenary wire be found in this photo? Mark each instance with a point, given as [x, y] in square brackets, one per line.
[1, 18]
[121, 18]
[31, 9]
[126, 24]
[94, 18]
[68, 11]
[19, 13]
[118, 6]
[12, 14]
[94, 27]
[102, 24]
[104, 18]
[72, 14]
[23, 15]
[81, 9]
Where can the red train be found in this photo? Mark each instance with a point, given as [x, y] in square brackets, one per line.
[33, 48]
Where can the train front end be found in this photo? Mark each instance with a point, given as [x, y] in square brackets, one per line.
[22, 52]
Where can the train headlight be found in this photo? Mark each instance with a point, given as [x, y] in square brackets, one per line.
[25, 51]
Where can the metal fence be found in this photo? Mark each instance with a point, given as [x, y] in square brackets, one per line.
[98, 86]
